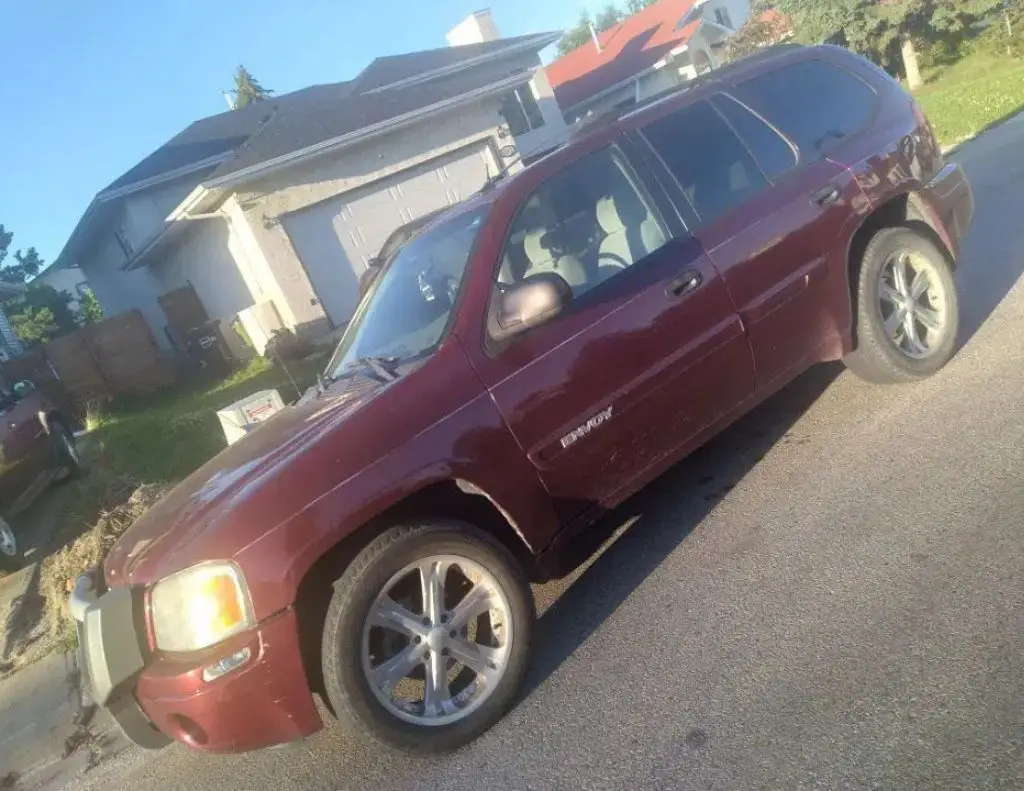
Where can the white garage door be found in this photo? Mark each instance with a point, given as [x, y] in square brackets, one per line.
[335, 238]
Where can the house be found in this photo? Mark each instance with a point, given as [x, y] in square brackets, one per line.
[70, 279]
[659, 48]
[268, 214]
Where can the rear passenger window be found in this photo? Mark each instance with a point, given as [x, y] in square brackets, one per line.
[772, 152]
[815, 104]
[587, 223]
[711, 164]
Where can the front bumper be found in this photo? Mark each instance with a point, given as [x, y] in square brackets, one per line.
[157, 698]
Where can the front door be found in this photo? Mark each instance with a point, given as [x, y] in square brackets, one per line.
[649, 351]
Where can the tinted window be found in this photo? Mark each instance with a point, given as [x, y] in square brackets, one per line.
[813, 103]
[772, 152]
[710, 163]
[587, 223]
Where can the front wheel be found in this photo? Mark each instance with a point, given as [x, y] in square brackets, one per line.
[907, 309]
[427, 637]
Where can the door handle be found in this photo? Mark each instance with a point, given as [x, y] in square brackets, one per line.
[684, 284]
[826, 196]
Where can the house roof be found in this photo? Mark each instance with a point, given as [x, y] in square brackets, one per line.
[390, 69]
[629, 48]
[297, 127]
[218, 136]
[237, 140]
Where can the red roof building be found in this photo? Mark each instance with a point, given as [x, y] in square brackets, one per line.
[658, 48]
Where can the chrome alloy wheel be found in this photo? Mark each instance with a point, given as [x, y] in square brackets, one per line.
[8, 543]
[437, 640]
[913, 303]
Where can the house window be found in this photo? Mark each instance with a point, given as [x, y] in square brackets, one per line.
[123, 243]
[722, 17]
[520, 110]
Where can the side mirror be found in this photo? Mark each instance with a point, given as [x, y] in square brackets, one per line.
[530, 303]
[23, 388]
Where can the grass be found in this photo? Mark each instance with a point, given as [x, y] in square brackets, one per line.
[166, 437]
[972, 94]
[134, 452]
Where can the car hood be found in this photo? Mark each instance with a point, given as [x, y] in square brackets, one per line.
[204, 517]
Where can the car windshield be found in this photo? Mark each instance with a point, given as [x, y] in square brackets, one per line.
[407, 311]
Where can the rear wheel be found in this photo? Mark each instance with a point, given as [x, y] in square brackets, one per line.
[907, 309]
[9, 555]
[427, 637]
[65, 451]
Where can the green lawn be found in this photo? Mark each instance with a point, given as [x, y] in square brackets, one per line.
[968, 96]
[163, 438]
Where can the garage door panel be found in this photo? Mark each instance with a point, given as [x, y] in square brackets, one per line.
[335, 239]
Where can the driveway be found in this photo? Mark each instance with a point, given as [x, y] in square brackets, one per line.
[828, 596]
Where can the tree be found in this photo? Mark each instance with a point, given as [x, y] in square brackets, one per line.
[27, 265]
[577, 35]
[40, 314]
[248, 89]
[887, 29]
[608, 17]
[89, 310]
[636, 6]
[760, 30]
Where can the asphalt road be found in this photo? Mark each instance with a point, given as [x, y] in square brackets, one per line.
[829, 596]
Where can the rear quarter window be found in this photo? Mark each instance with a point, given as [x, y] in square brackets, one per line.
[816, 104]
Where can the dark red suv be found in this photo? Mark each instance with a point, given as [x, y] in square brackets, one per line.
[530, 359]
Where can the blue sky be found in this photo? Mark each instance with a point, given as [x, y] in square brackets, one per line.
[87, 89]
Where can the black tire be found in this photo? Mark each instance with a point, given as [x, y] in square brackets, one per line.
[349, 692]
[65, 452]
[876, 357]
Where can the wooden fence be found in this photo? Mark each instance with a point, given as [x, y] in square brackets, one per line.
[114, 357]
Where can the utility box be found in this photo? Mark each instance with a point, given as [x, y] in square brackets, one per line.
[243, 416]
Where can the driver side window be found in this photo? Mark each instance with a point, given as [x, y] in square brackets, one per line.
[587, 223]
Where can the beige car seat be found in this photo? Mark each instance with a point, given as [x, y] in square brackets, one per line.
[541, 260]
[629, 236]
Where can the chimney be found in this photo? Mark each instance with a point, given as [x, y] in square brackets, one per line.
[229, 99]
[477, 28]
[593, 35]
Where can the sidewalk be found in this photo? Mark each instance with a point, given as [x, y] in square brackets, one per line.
[46, 738]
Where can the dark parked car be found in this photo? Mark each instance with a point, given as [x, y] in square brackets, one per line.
[529, 360]
[398, 237]
[36, 445]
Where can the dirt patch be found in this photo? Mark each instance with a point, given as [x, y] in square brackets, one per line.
[124, 501]
[42, 623]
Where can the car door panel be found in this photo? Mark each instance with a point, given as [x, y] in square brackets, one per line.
[778, 268]
[663, 367]
[632, 369]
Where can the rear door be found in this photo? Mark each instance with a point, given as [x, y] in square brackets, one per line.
[649, 352]
[770, 217]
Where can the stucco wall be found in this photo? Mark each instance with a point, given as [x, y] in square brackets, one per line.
[119, 291]
[145, 212]
[264, 202]
[203, 258]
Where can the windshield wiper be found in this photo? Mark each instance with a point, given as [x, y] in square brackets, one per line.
[383, 368]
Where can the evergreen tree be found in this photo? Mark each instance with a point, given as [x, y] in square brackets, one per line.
[248, 89]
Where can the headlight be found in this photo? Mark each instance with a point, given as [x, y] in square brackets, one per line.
[199, 607]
